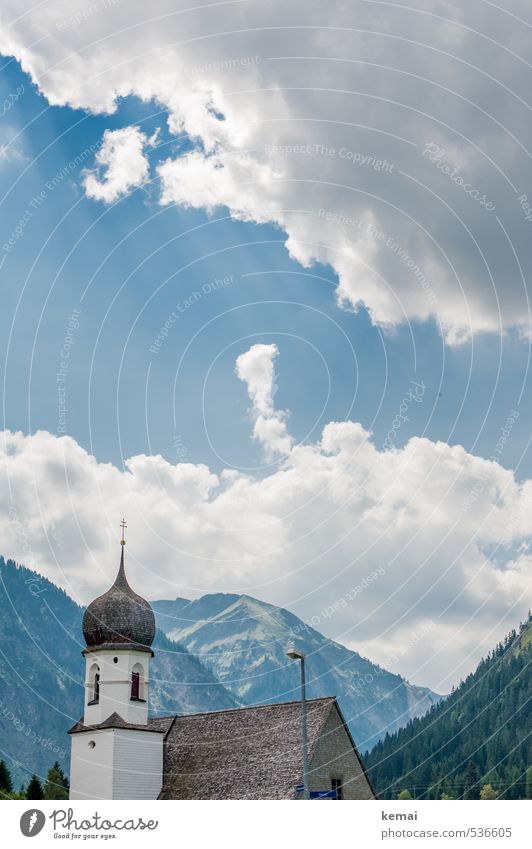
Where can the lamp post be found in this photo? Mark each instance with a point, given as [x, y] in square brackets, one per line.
[295, 654]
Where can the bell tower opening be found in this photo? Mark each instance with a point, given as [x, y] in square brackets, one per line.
[94, 685]
[135, 685]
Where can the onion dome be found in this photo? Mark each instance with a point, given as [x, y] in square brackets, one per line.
[119, 618]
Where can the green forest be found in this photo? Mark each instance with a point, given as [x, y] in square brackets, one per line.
[476, 744]
[55, 785]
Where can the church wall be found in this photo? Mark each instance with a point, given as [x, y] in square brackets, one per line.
[124, 764]
[91, 769]
[334, 757]
[138, 762]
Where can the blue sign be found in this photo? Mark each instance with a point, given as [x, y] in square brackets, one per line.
[317, 794]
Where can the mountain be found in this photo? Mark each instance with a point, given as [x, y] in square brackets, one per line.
[243, 642]
[481, 734]
[41, 673]
[218, 652]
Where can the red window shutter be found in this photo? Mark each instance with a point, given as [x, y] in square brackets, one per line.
[135, 685]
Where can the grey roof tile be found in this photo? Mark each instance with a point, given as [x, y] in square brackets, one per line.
[245, 753]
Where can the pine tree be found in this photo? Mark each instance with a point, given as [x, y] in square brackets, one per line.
[528, 789]
[34, 789]
[471, 780]
[6, 785]
[56, 785]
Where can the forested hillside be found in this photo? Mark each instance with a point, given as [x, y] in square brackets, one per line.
[480, 735]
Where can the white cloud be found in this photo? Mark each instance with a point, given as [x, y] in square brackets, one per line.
[324, 126]
[121, 165]
[195, 179]
[10, 154]
[446, 532]
[256, 369]
[10, 151]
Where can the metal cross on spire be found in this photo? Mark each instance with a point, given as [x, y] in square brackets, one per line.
[123, 525]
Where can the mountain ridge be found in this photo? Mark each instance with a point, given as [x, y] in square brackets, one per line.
[243, 641]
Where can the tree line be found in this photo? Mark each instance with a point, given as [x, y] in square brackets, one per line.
[55, 785]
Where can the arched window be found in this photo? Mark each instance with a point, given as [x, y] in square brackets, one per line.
[137, 683]
[97, 687]
[94, 685]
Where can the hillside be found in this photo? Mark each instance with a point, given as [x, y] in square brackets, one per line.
[41, 673]
[243, 641]
[481, 734]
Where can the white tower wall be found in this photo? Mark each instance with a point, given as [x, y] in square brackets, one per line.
[115, 667]
[116, 763]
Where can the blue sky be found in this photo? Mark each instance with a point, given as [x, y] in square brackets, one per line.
[127, 266]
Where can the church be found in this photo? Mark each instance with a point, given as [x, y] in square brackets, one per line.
[119, 751]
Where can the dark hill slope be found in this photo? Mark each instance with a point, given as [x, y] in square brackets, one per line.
[480, 734]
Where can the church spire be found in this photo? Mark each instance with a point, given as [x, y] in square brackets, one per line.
[121, 577]
[119, 628]
[119, 617]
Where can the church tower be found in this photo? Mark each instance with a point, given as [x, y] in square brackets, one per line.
[117, 753]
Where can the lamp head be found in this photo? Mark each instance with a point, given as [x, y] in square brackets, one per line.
[293, 653]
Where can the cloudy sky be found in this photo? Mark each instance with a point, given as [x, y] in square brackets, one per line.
[265, 291]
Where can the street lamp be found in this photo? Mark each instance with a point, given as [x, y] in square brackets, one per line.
[295, 654]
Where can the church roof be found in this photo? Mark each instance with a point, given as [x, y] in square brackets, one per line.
[244, 753]
[119, 617]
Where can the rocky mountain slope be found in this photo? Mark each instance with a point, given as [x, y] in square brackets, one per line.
[243, 642]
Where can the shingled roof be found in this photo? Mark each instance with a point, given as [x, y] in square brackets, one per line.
[244, 753]
[160, 724]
